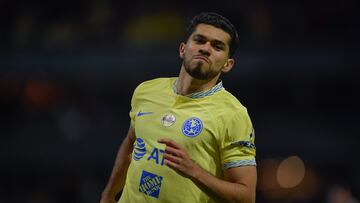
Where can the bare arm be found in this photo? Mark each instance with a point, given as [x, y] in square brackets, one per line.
[118, 174]
[239, 184]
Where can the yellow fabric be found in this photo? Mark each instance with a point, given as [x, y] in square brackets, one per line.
[213, 126]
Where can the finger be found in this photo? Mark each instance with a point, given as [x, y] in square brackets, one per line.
[170, 142]
[172, 150]
[172, 158]
[172, 165]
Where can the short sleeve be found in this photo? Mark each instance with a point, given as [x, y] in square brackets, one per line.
[238, 143]
[132, 117]
[134, 106]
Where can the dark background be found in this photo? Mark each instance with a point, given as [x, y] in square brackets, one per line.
[68, 69]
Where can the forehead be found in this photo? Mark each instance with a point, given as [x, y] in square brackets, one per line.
[212, 33]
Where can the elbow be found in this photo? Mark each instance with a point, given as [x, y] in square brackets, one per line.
[244, 195]
[242, 200]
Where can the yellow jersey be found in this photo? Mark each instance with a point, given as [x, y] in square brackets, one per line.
[213, 126]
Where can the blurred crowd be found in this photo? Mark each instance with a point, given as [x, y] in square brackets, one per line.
[68, 69]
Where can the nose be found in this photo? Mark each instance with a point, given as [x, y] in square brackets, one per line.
[205, 49]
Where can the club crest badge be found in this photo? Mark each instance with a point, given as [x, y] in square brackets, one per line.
[168, 120]
[192, 127]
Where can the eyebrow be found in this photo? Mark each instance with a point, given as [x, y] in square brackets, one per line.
[214, 40]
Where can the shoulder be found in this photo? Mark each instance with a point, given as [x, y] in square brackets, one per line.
[155, 83]
[153, 88]
[229, 110]
[230, 103]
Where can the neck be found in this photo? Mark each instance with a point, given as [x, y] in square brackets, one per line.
[186, 84]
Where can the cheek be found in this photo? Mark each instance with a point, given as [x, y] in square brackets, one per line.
[191, 48]
[189, 53]
[220, 59]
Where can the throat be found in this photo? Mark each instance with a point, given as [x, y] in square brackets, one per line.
[184, 87]
[186, 84]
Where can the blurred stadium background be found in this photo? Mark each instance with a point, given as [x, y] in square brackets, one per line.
[68, 69]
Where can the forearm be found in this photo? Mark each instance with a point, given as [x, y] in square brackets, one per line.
[227, 190]
[238, 185]
[118, 175]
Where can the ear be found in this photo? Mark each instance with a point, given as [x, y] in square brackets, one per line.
[228, 65]
[182, 50]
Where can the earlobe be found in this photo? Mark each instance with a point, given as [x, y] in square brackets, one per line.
[182, 50]
[228, 65]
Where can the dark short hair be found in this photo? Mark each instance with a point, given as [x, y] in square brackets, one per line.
[216, 20]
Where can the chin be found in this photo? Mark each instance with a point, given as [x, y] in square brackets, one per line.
[198, 73]
[198, 70]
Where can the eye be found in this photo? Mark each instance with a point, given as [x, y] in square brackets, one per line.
[199, 40]
[218, 46]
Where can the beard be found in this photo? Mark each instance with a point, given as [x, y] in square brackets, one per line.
[197, 71]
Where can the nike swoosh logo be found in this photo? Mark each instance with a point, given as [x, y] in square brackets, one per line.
[143, 113]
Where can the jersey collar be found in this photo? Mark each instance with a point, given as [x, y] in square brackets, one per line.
[197, 95]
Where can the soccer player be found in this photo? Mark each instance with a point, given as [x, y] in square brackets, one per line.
[190, 140]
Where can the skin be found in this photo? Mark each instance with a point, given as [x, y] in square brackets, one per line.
[239, 184]
[205, 56]
[118, 175]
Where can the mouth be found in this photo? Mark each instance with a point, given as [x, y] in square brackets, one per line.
[204, 58]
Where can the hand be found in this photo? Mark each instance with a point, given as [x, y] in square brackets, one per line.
[177, 158]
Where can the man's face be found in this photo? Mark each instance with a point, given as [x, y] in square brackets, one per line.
[206, 53]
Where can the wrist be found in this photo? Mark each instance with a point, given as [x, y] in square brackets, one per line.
[197, 172]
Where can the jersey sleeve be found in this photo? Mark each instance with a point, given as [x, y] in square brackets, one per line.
[132, 117]
[134, 106]
[238, 143]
